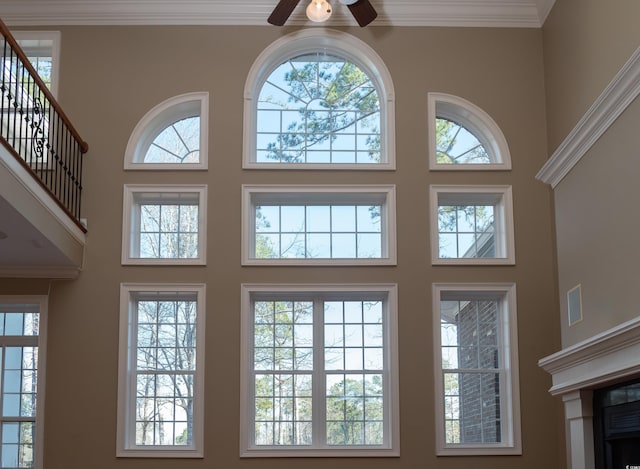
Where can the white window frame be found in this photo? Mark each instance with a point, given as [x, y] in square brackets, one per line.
[130, 235]
[500, 197]
[474, 119]
[54, 50]
[299, 194]
[39, 303]
[332, 42]
[126, 446]
[157, 119]
[391, 411]
[511, 443]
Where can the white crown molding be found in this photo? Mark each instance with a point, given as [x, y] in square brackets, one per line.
[605, 357]
[621, 92]
[484, 13]
[544, 8]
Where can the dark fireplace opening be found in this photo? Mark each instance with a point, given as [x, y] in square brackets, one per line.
[616, 420]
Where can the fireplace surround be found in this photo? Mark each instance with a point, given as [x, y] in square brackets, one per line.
[580, 370]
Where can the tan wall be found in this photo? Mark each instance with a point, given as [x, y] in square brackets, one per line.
[111, 76]
[597, 216]
[17, 286]
[586, 42]
[585, 45]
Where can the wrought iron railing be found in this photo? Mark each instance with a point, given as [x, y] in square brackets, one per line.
[36, 131]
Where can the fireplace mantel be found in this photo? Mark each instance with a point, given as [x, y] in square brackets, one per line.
[604, 359]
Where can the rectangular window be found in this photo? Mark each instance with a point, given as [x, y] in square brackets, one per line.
[43, 50]
[164, 225]
[476, 369]
[161, 383]
[319, 225]
[321, 371]
[22, 374]
[25, 109]
[472, 225]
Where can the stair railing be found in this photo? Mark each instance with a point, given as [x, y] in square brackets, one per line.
[35, 129]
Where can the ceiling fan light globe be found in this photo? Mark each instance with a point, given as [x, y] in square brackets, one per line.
[318, 11]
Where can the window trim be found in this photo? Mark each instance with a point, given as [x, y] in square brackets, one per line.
[477, 121]
[503, 219]
[41, 302]
[289, 192]
[510, 402]
[129, 202]
[392, 409]
[158, 118]
[125, 447]
[334, 42]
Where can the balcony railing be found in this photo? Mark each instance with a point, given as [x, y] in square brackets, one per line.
[36, 131]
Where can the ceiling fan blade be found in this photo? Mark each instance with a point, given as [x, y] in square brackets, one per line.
[282, 11]
[363, 12]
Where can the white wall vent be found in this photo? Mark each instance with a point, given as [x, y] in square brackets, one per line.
[574, 304]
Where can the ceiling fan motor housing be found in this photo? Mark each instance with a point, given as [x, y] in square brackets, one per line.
[348, 2]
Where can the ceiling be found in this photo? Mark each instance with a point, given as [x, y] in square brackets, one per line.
[471, 13]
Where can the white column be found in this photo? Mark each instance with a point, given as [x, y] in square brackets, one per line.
[578, 411]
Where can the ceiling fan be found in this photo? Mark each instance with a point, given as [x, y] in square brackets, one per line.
[362, 11]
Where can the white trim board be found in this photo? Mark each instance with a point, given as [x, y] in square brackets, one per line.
[615, 98]
[604, 359]
[611, 355]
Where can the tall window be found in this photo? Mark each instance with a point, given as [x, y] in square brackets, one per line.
[476, 369]
[173, 135]
[161, 363]
[320, 371]
[22, 370]
[312, 103]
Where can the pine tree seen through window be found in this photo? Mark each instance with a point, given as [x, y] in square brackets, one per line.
[455, 144]
[318, 108]
[319, 374]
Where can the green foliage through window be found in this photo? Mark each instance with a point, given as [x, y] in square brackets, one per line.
[287, 361]
[455, 144]
[318, 108]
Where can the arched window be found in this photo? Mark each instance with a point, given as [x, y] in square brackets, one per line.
[173, 135]
[319, 99]
[464, 137]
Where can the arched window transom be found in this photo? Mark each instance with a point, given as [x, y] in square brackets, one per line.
[319, 99]
[179, 143]
[455, 144]
[464, 137]
[173, 135]
[318, 108]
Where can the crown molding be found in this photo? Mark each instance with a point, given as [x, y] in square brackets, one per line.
[621, 92]
[454, 13]
[544, 8]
